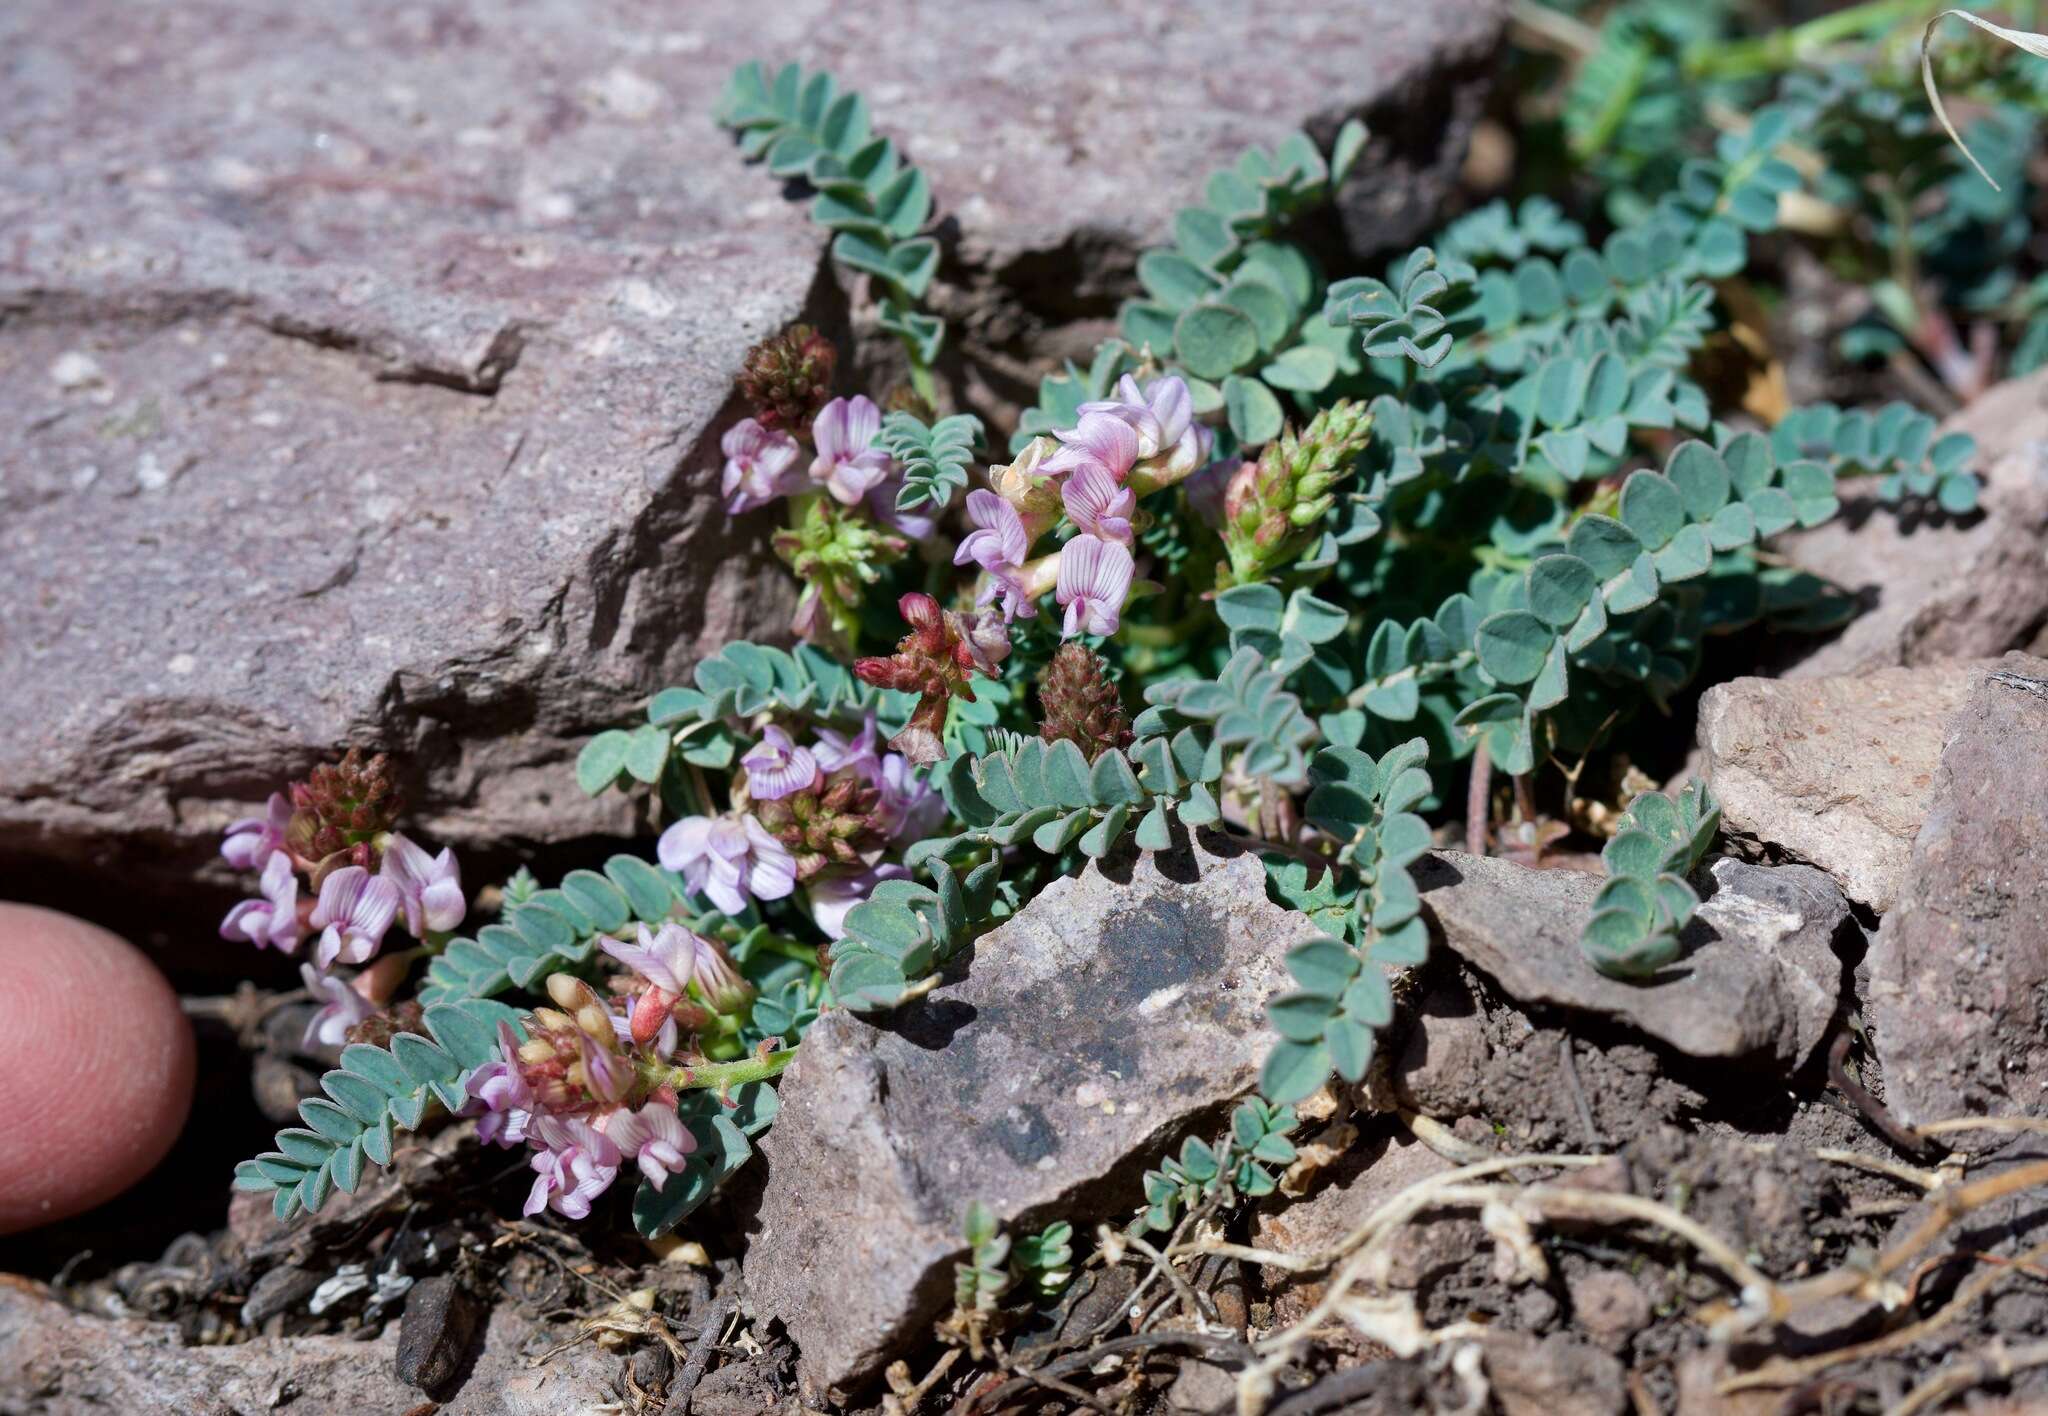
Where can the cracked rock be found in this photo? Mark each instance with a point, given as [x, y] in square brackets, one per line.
[1758, 979]
[1121, 1010]
[369, 365]
[1959, 970]
[1945, 589]
[1835, 771]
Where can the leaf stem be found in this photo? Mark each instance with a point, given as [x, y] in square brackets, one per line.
[722, 1076]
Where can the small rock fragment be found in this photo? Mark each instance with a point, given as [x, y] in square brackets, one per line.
[891, 1125]
[1560, 1375]
[1758, 979]
[434, 1334]
[1835, 771]
[1959, 971]
[1609, 1307]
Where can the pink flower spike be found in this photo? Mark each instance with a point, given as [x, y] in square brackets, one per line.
[429, 887]
[1102, 438]
[274, 919]
[848, 463]
[666, 957]
[654, 1137]
[342, 1010]
[251, 840]
[1099, 506]
[575, 1164]
[355, 909]
[998, 543]
[760, 466]
[1094, 581]
[777, 767]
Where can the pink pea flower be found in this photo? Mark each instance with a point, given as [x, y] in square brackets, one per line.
[498, 1095]
[274, 919]
[727, 860]
[760, 466]
[862, 752]
[832, 897]
[355, 909]
[1206, 490]
[848, 463]
[998, 543]
[777, 767]
[1101, 438]
[429, 887]
[654, 1137]
[575, 1164]
[1162, 415]
[1095, 579]
[342, 1009]
[667, 959]
[1098, 505]
[1009, 588]
[251, 840]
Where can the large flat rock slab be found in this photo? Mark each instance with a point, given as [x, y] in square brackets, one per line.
[367, 364]
[1758, 979]
[1944, 589]
[1959, 971]
[1835, 771]
[1120, 1009]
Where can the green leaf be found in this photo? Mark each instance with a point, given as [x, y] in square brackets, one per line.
[1512, 645]
[602, 760]
[1254, 412]
[1215, 340]
[1293, 1071]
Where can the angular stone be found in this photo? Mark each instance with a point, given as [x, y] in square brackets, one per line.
[1951, 589]
[369, 365]
[1559, 1375]
[1120, 1010]
[1371, 1174]
[1835, 771]
[1959, 971]
[1758, 980]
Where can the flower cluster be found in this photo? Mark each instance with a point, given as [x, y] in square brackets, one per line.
[361, 877]
[1092, 474]
[820, 816]
[844, 527]
[594, 1084]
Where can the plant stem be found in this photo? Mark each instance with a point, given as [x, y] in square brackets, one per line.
[1479, 800]
[1799, 44]
[722, 1075]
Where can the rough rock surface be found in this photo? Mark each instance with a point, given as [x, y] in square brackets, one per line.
[1959, 971]
[56, 1361]
[1835, 771]
[368, 364]
[1759, 977]
[1120, 1010]
[1964, 589]
[1364, 1178]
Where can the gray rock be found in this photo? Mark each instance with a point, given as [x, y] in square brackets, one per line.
[57, 1361]
[1954, 589]
[1759, 977]
[1120, 1010]
[1959, 971]
[368, 365]
[1835, 771]
[1559, 1375]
